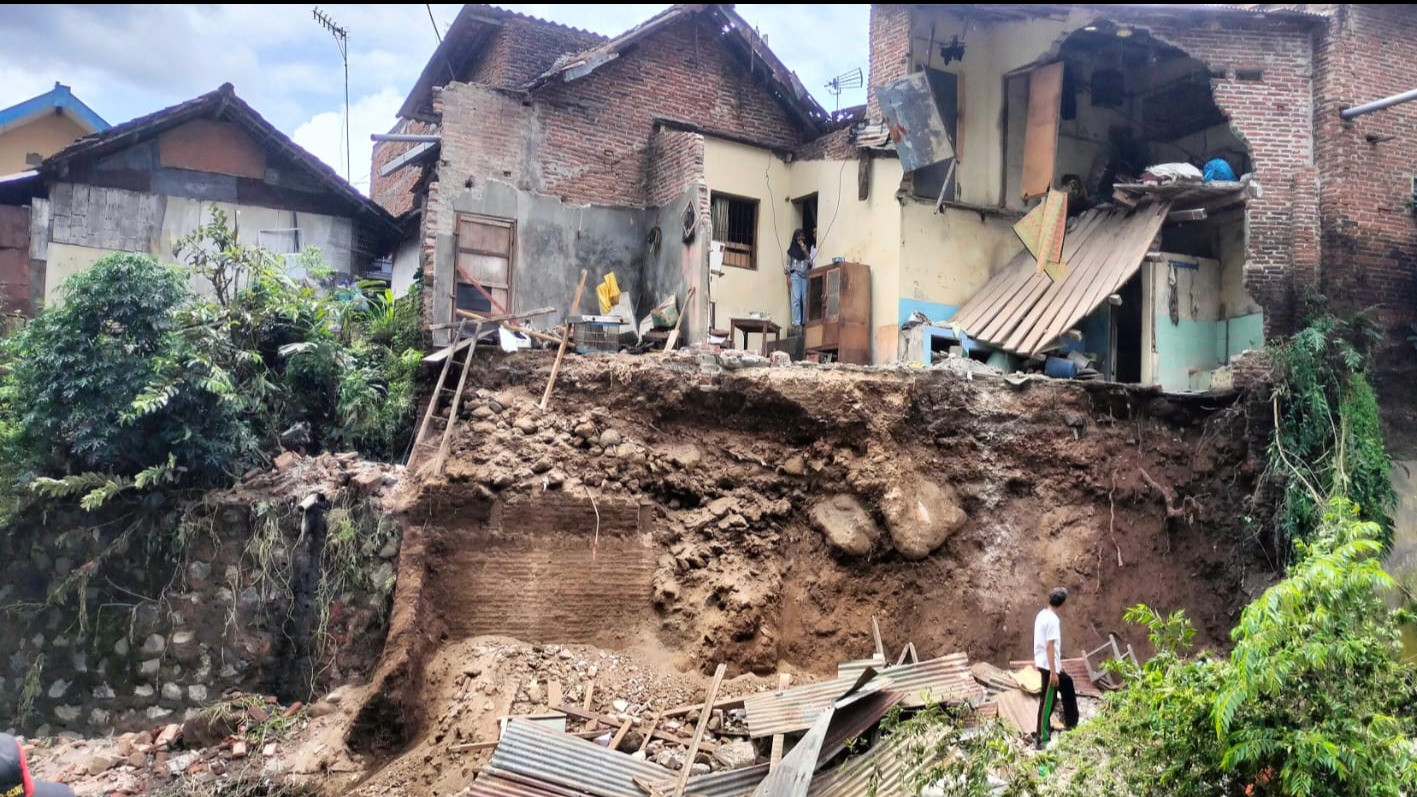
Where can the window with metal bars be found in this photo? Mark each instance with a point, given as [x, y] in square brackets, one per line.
[735, 225]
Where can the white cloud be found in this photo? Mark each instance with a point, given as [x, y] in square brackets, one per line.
[323, 133]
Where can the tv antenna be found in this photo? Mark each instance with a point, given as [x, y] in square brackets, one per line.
[844, 81]
[342, 41]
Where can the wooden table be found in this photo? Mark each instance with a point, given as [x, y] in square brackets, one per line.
[761, 326]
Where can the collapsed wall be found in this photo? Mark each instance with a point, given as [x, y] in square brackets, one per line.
[144, 612]
[703, 509]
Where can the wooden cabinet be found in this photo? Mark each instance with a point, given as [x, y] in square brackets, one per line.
[839, 312]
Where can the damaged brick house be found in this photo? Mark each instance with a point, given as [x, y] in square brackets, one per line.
[541, 150]
[633, 155]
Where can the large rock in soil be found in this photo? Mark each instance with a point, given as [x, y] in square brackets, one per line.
[921, 515]
[846, 524]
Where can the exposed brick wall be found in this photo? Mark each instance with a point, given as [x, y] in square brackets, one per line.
[1366, 165]
[833, 146]
[597, 129]
[395, 192]
[1274, 117]
[890, 49]
[676, 163]
[525, 48]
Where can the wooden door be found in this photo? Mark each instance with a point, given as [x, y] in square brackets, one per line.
[1040, 137]
[483, 259]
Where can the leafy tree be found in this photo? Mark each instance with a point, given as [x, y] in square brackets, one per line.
[79, 387]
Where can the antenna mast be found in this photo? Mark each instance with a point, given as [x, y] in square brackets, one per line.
[342, 41]
[846, 80]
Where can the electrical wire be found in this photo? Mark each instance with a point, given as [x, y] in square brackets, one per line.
[821, 240]
[772, 205]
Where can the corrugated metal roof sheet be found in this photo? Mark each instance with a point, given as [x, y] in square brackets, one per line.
[943, 680]
[1022, 310]
[877, 772]
[531, 751]
[850, 722]
[488, 785]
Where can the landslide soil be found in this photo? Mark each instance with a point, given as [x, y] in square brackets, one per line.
[726, 462]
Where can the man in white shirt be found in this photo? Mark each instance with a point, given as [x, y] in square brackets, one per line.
[1048, 658]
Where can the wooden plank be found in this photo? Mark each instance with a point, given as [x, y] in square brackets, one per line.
[1040, 136]
[443, 448]
[1130, 248]
[601, 719]
[461, 343]
[1078, 247]
[699, 731]
[1126, 248]
[531, 333]
[589, 702]
[673, 339]
[778, 740]
[620, 734]
[430, 413]
[876, 633]
[1051, 236]
[649, 732]
[565, 340]
[1088, 250]
[1012, 307]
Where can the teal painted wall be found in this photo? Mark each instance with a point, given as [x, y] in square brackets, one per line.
[935, 311]
[1181, 348]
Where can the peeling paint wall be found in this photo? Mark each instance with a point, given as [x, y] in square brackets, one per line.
[89, 222]
[946, 258]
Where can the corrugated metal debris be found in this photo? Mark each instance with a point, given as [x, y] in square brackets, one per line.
[1023, 311]
[531, 751]
[943, 680]
[847, 750]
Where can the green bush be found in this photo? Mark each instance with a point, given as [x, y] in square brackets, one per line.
[78, 391]
[1313, 700]
[135, 381]
[1328, 439]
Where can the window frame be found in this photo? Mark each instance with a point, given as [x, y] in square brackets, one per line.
[752, 249]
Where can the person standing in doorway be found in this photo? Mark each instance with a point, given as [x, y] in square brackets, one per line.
[799, 262]
[1048, 658]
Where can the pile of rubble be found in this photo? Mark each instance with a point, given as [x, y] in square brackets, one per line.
[236, 739]
[781, 742]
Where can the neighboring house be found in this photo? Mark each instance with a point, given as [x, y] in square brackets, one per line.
[632, 154]
[33, 130]
[553, 150]
[144, 184]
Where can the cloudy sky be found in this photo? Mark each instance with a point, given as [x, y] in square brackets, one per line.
[129, 60]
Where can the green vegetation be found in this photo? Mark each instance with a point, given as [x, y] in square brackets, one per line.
[1328, 439]
[135, 381]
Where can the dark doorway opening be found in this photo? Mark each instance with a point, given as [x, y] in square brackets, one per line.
[1126, 335]
[807, 216]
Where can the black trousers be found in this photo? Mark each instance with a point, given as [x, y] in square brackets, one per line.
[1062, 693]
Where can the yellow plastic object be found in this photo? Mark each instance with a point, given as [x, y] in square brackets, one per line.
[608, 293]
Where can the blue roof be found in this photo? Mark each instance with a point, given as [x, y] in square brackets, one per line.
[59, 97]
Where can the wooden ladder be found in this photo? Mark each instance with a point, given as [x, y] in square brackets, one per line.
[423, 441]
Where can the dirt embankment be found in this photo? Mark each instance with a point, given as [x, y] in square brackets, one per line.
[700, 510]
